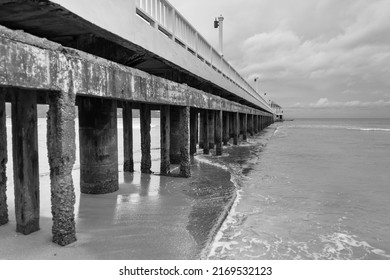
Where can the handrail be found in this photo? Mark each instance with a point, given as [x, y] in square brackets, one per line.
[162, 15]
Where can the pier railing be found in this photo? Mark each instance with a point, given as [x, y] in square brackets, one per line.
[163, 16]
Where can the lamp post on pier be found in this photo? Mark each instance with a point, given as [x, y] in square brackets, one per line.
[218, 23]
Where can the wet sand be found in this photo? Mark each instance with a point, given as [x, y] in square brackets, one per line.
[150, 217]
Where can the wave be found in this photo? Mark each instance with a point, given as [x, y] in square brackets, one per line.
[341, 127]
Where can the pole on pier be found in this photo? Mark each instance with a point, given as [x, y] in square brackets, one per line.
[218, 132]
[185, 170]
[225, 131]
[165, 131]
[25, 159]
[3, 161]
[193, 130]
[98, 145]
[211, 124]
[61, 144]
[205, 131]
[236, 127]
[145, 119]
[175, 135]
[127, 113]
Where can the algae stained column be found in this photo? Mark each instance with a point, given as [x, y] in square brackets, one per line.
[98, 145]
[165, 131]
[128, 164]
[3, 161]
[25, 159]
[61, 146]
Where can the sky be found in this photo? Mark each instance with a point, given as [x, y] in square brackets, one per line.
[315, 58]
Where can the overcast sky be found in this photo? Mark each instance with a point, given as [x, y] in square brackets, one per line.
[321, 58]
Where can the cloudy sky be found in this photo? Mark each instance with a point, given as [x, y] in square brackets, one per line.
[321, 58]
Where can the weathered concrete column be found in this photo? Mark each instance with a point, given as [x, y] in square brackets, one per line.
[255, 124]
[231, 124]
[205, 131]
[262, 124]
[98, 145]
[175, 135]
[241, 124]
[3, 162]
[250, 124]
[201, 121]
[61, 146]
[211, 116]
[225, 131]
[146, 157]
[236, 127]
[25, 159]
[193, 130]
[245, 127]
[218, 132]
[128, 165]
[185, 170]
[165, 133]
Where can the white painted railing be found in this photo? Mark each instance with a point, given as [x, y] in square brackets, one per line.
[163, 16]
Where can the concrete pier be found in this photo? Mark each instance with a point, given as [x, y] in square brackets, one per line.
[165, 131]
[184, 113]
[211, 126]
[145, 119]
[255, 124]
[245, 127]
[236, 127]
[193, 130]
[98, 145]
[250, 125]
[200, 128]
[61, 146]
[226, 128]
[218, 133]
[25, 160]
[3, 161]
[127, 115]
[175, 135]
[205, 133]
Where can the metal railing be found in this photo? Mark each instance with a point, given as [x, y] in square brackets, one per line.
[163, 16]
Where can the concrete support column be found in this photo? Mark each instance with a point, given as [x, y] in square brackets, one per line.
[146, 157]
[61, 146]
[201, 121]
[262, 123]
[250, 124]
[185, 170]
[25, 159]
[205, 131]
[211, 116]
[193, 130]
[236, 127]
[218, 132]
[165, 133]
[3, 162]
[255, 124]
[260, 118]
[127, 113]
[98, 145]
[226, 128]
[245, 127]
[175, 135]
[231, 124]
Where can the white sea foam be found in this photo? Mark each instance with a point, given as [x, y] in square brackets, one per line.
[341, 127]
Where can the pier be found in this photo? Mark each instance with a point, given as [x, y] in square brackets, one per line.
[65, 54]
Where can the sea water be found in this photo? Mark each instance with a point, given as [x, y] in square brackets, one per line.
[319, 189]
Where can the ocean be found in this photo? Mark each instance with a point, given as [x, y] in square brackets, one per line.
[311, 189]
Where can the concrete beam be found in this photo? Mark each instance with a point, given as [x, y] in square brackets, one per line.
[61, 146]
[53, 67]
[25, 159]
[3, 161]
[98, 145]
[127, 113]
